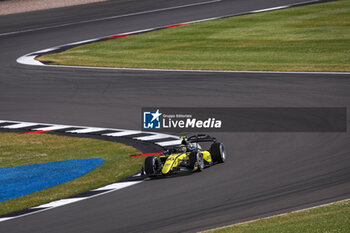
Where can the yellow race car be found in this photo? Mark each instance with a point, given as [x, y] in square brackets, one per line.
[187, 157]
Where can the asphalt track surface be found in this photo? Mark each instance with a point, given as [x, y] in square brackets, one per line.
[265, 173]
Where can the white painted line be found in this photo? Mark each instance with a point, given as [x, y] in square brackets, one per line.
[4, 219]
[29, 60]
[19, 125]
[170, 143]
[59, 203]
[108, 18]
[270, 9]
[53, 127]
[133, 32]
[124, 133]
[47, 50]
[305, 2]
[197, 71]
[154, 137]
[13, 121]
[117, 186]
[87, 130]
[201, 20]
[82, 42]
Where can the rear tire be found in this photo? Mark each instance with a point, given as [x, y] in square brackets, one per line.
[152, 165]
[217, 152]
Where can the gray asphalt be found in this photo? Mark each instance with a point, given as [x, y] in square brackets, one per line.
[265, 173]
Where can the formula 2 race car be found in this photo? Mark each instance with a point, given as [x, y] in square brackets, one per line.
[187, 157]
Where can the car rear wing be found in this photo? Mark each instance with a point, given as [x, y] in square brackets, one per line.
[201, 138]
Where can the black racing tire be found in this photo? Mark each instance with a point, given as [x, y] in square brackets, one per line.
[196, 158]
[152, 165]
[217, 152]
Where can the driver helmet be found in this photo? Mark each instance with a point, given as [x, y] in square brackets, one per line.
[182, 149]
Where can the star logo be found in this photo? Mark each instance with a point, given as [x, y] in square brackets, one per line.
[156, 115]
[151, 120]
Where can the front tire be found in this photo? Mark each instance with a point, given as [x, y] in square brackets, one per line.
[217, 152]
[152, 165]
[196, 161]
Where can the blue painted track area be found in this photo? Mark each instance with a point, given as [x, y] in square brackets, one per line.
[23, 180]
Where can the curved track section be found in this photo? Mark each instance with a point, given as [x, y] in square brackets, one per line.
[265, 173]
[30, 59]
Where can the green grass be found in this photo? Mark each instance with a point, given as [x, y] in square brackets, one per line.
[333, 218]
[23, 149]
[308, 38]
